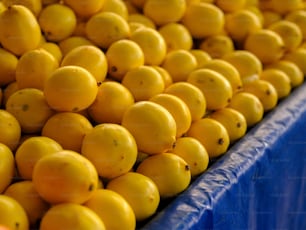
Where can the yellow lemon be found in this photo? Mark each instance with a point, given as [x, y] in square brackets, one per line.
[13, 214]
[31, 150]
[143, 82]
[241, 23]
[285, 6]
[30, 108]
[7, 167]
[141, 19]
[2, 7]
[111, 102]
[114, 27]
[299, 18]
[176, 36]
[65, 177]
[89, 57]
[227, 70]
[269, 17]
[165, 75]
[70, 88]
[258, 41]
[216, 88]
[291, 69]
[116, 6]
[289, 32]
[68, 129]
[34, 67]
[227, 6]
[71, 216]
[8, 64]
[113, 209]
[249, 106]
[10, 132]
[178, 109]
[247, 64]
[8, 91]
[152, 44]
[111, 148]
[212, 135]
[201, 56]
[203, 19]
[34, 5]
[123, 56]
[192, 96]
[265, 92]
[217, 45]
[85, 9]
[53, 49]
[152, 126]
[179, 63]
[234, 122]
[168, 171]
[19, 30]
[193, 152]
[57, 22]
[279, 79]
[26, 195]
[71, 42]
[163, 12]
[298, 57]
[146, 202]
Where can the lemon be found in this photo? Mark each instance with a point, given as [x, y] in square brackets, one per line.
[269, 17]
[216, 88]
[30, 108]
[142, 19]
[116, 6]
[249, 106]
[247, 64]
[265, 91]
[179, 63]
[289, 32]
[285, 6]
[19, 30]
[227, 70]
[85, 9]
[8, 64]
[34, 5]
[10, 132]
[291, 69]
[297, 57]
[7, 166]
[143, 82]
[298, 17]
[26, 195]
[212, 135]
[203, 19]
[53, 49]
[2, 7]
[168, 171]
[111, 148]
[193, 152]
[217, 46]
[13, 214]
[57, 22]
[258, 41]
[279, 79]
[65, 177]
[240, 24]
[201, 56]
[71, 216]
[68, 129]
[152, 126]
[114, 28]
[163, 12]
[89, 57]
[34, 67]
[137, 3]
[232, 6]
[111, 102]
[113, 209]
[146, 202]
[71, 42]
[70, 88]
[152, 44]
[176, 36]
[165, 75]
[30, 151]
[234, 122]
[122, 56]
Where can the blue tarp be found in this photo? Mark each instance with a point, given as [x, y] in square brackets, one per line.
[260, 183]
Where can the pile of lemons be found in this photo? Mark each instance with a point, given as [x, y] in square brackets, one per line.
[109, 107]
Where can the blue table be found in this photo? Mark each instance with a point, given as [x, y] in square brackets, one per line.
[260, 183]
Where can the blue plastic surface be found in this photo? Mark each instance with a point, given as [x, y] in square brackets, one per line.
[260, 183]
